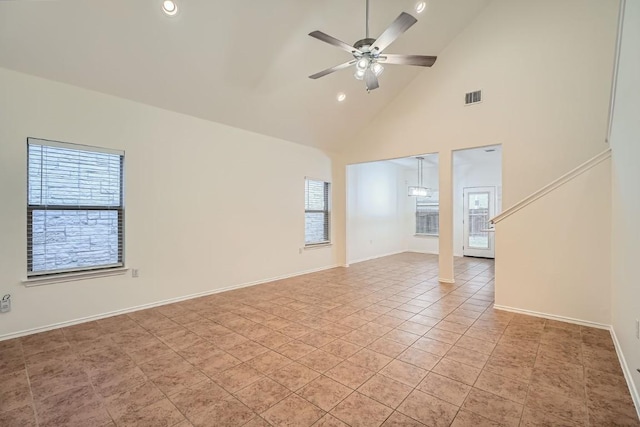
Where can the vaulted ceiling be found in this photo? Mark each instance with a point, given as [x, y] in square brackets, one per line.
[241, 63]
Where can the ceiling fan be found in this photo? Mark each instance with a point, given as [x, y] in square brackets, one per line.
[368, 53]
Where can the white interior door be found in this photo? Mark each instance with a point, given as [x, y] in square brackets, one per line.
[479, 208]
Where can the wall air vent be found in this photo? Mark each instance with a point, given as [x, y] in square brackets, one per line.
[473, 97]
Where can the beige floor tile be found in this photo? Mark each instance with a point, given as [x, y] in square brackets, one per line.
[404, 372]
[444, 388]
[428, 409]
[237, 378]
[358, 410]
[14, 391]
[400, 420]
[134, 399]
[370, 359]
[467, 357]
[353, 376]
[294, 376]
[493, 407]
[324, 392]
[293, 411]
[419, 358]
[22, 416]
[320, 360]
[341, 348]
[457, 371]
[469, 419]
[385, 390]
[226, 413]
[429, 345]
[329, 421]
[262, 394]
[269, 361]
[198, 397]
[295, 349]
[502, 386]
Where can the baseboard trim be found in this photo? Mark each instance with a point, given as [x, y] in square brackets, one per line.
[626, 371]
[423, 252]
[374, 257]
[78, 321]
[553, 317]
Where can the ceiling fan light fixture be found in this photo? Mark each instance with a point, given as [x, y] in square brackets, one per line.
[377, 69]
[169, 7]
[362, 64]
[421, 6]
[359, 75]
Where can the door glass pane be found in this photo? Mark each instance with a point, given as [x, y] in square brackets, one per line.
[478, 220]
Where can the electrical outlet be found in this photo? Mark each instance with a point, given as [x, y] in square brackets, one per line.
[134, 272]
[5, 304]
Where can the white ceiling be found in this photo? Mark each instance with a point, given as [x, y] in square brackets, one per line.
[242, 63]
[429, 160]
[471, 156]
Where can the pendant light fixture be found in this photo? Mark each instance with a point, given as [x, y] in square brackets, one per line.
[420, 190]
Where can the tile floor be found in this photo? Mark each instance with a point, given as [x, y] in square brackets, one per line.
[380, 343]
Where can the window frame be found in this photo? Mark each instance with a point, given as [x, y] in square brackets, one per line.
[120, 211]
[432, 202]
[326, 212]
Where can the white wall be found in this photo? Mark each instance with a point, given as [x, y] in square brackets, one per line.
[375, 210]
[625, 144]
[482, 173]
[555, 251]
[191, 225]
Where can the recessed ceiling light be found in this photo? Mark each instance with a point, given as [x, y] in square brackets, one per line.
[421, 6]
[341, 97]
[169, 7]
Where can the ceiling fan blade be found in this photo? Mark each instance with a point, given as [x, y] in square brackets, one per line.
[332, 69]
[419, 60]
[371, 80]
[334, 41]
[395, 30]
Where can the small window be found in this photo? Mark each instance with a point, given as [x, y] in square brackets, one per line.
[427, 216]
[75, 212]
[316, 214]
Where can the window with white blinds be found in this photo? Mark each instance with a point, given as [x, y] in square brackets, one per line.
[75, 211]
[427, 216]
[316, 214]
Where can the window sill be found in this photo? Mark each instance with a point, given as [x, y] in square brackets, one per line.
[72, 277]
[426, 235]
[317, 246]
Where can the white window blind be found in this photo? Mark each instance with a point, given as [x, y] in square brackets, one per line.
[427, 216]
[316, 216]
[75, 212]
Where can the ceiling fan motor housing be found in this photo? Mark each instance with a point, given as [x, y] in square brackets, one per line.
[364, 44]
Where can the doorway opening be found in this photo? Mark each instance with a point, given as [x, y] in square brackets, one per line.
[392, 207]
[477, 175]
